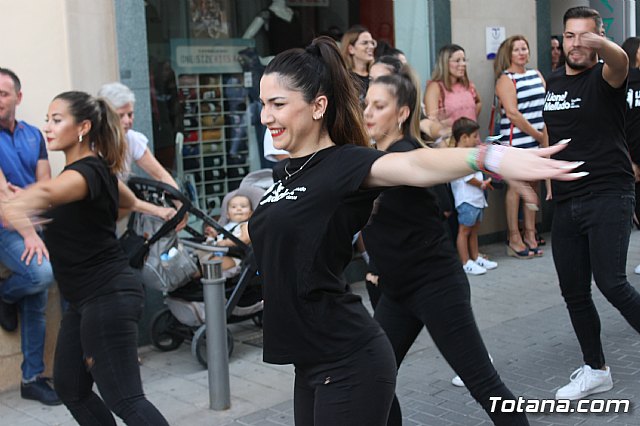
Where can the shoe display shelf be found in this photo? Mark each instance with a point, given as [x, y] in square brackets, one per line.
[215, 152]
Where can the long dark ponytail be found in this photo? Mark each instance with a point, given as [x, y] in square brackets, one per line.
[106, 134]
[320, 70]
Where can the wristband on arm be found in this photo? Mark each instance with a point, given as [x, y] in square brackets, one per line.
[486, 158]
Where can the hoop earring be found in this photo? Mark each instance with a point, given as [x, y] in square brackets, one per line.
[400, 125]
[80, 138]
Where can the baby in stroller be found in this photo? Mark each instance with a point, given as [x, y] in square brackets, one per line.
[183, 317]
[239, 210]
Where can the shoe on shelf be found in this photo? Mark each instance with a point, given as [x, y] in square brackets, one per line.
[472, 268]
[586, 381]
[8, 316]
[457, 381]
[637, 270]
[486, 263]
[40, 390]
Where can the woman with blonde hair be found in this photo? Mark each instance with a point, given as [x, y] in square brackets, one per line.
[449, 94]
[521, 94]
[358, 47]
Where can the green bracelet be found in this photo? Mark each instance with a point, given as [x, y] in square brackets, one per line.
[472, 159]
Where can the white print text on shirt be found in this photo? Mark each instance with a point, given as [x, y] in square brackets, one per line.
[559, 102]
[633, 98]
[277, 192]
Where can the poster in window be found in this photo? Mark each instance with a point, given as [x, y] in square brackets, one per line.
[210, 18]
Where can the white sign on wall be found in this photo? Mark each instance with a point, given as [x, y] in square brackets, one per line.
[207, 55]
[494, 36]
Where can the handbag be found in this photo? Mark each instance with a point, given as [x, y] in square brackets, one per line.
[135, 247]
[153, 247]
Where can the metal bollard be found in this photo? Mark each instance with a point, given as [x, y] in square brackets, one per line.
[216, 323]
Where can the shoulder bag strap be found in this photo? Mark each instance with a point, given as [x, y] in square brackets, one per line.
[441, 98]
[515, 86]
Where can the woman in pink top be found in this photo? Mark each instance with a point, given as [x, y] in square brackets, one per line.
[449, 94]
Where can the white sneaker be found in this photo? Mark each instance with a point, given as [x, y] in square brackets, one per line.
[472, 268]
[637, 270]
[586, 381]
[457, 381]
[486, 263]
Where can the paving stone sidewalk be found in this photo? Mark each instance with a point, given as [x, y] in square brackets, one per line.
[523, 321]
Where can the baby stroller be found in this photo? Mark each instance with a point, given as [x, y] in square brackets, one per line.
[184, 315]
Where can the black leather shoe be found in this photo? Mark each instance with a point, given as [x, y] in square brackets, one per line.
[40, 390]
[8, 316]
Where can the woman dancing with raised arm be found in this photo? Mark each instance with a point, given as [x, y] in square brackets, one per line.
[302, 229]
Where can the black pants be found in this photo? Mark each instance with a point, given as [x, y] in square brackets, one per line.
[356, 390]
[444, 307]
[590, 235]
[98, 343]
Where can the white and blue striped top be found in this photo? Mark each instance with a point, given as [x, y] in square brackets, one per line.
[530, 92]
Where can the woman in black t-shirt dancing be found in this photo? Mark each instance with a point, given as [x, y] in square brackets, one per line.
[632, 120]
[98, 337]
[302, 229]
[420, 277]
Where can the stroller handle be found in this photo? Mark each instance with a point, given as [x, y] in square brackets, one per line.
[141, 187]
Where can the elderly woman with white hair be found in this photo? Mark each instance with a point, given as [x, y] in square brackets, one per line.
[123, 100]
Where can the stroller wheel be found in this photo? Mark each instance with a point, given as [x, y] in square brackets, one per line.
[199, 345]
[164, 329]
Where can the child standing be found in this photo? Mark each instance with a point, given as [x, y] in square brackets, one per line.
[470, 202]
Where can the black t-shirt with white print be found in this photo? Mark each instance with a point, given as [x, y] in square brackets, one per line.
[632, 125]
[585, 108]
[407, 238]
[301, 233]
[86, 256]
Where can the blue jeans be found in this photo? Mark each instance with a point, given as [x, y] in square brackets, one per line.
[28, 287]
[97, 344]
[590, 235]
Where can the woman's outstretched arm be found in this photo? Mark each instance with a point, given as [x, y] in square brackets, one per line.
[427, 167]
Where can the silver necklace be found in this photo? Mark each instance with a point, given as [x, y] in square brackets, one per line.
[301, 167]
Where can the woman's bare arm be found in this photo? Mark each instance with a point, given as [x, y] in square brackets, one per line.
[427, 167]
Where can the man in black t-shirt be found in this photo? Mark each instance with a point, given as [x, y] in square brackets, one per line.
[585, 101]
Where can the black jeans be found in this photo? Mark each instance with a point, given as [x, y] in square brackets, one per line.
[356, 390]
[444, 307]
[98, 342]
[590, 235]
